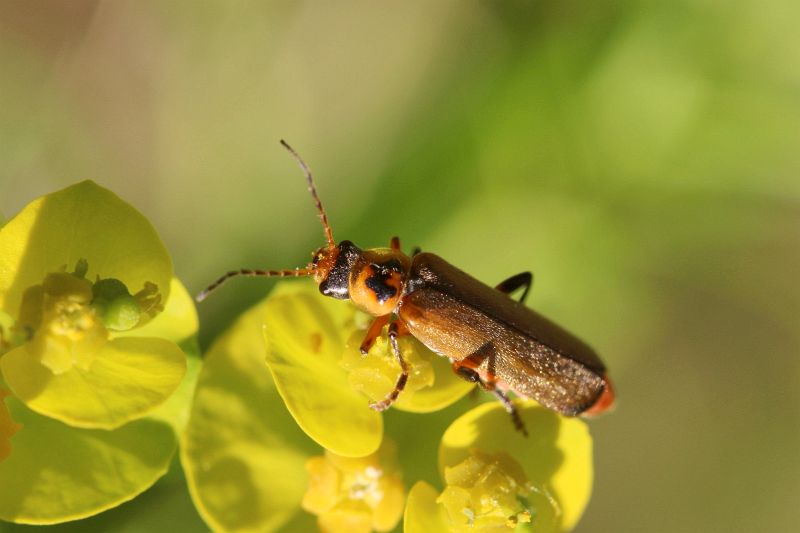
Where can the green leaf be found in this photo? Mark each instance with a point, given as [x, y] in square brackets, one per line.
[242, 452]
[57, 473]
[129, 377]
[423, 514]
[304, 333]
[84, 221]
[556, 456]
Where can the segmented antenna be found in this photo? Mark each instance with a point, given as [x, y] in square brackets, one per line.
[313, 190]
[296, 273]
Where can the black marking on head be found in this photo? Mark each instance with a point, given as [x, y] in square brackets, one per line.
[336, 285]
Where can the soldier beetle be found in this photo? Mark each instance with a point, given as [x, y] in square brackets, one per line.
[489, 337]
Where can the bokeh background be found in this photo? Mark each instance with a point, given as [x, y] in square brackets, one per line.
[641, 158]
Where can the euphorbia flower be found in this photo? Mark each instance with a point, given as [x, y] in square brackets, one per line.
[71, 356]
[496, 479]
[91, 317]
[251, 467]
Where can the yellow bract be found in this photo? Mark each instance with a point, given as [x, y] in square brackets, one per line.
[242, 452]
[304, 333]
[83, 221]
[57, 473]
[423, 514]
[129, 377]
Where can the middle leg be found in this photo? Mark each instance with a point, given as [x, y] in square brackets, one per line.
[467, 369]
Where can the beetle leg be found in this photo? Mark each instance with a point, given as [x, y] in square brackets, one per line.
[523, 279]
[466, 373]
[466, 370]
[519, 425]
[416, 251]
[373, 333]
[395, 243]
[395, 330]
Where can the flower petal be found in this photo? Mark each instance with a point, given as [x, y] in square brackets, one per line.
[242, 452]
[58, 473]
[557, 455]
[128, 377]
[84, 221]
[304, 333]
[423, 514]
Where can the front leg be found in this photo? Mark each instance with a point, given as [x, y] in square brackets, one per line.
[373, 333]
[395, 331]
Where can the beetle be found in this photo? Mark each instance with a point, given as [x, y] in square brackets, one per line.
[489, 337]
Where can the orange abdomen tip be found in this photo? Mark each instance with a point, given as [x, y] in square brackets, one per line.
[605, 402]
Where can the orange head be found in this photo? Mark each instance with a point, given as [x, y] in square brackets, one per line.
[373, 279]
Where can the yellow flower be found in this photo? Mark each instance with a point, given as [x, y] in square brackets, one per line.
[498, 481]
[355, 495]
[490, 493]
[94, 369]
[74, 351]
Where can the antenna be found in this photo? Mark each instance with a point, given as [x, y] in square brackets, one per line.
[310, 270]
[313, 190]
[296, 273]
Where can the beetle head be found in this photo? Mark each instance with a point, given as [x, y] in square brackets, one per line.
[332, 266]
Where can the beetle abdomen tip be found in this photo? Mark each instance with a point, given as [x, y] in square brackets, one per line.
[604, 402]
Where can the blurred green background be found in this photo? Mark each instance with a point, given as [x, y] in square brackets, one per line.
[641, 158]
